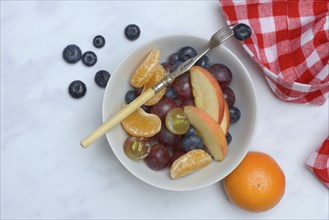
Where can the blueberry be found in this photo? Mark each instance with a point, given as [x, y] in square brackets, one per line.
[102, 77]
[203, 62]
[235, 114]
[170, 93]
[242, 31]
[77, 89]
[173, 58]
[191, 131]
[186, 53]
[174, 67]
[72, 53]
[228, 138]
[130, 96]
[89, 58]
[146, 108]
[191, 142]
[132, 32]
[99, 41]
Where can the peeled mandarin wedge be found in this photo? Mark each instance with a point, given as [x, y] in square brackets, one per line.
[158, 72]
[143, 73]
[189, 162]
[142, 124]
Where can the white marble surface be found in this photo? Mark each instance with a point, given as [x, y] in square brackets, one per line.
[45, 174]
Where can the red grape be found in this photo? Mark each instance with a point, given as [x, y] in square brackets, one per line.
[185, 102]
[162, 107]
[158, 158]
[229, 96]
[182, 86]
[166, 137]
[222, 74]
[175, 156]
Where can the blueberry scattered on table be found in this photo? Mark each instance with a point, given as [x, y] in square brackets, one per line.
[99, 41]
[77, 89]
[228, 138]
[72, 53]
[235, 114]
[186, 53]
[242, 31]
[89, 58]
[132, 32]
[102, 77]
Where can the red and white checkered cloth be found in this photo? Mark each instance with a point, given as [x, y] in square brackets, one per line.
[290, 42]
[318, 162]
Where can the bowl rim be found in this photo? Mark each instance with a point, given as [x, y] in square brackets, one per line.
[253, 92]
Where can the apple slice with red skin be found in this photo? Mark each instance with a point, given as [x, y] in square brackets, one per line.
[207, 93]
[225, 123]
[209, 130]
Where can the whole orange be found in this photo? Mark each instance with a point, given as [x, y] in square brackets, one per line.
[257, 184]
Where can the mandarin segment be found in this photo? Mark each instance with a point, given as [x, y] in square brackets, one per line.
[142, 124]
[189, 162]
[158, 72]
[143, 73]
[257, 184]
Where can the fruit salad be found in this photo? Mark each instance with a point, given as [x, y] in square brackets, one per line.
[186, 125]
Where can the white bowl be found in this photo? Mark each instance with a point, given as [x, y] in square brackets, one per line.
[242, 132]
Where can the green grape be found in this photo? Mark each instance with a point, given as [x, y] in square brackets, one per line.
[176, 121]
[137, 148]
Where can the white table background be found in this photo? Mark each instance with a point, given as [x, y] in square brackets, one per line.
[45, 174]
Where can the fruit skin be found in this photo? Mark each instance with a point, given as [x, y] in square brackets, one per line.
[89, 58]
[72, 53]
[186, 53]
[189, 162]
[229, 96]
[225, 123]
[207, 93]
[77, 89]
[158, 72]
[101, 78]
[132, 32]
[222, 74]
[99, 41]
[209, 130]
[144, 72]
[242, 32]
[130, 96]
[235, 114]
[228, 138]
[191, 142]
[203, 62]
[141, 124]
[158, 158]
[163, 107]
[257, 184]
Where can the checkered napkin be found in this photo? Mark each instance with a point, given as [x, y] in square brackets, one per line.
[290, 42]
[318, 162]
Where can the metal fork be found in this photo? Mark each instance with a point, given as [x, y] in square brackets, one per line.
[218, 38]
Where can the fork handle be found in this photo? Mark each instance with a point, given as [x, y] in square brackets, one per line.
[118, 117]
